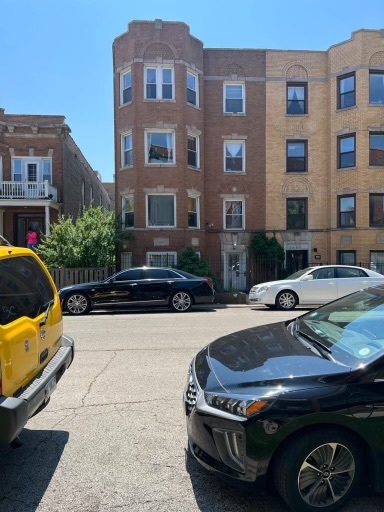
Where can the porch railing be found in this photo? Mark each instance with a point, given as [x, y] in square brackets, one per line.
[27, 190]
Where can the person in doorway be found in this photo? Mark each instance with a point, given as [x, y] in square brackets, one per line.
[31, 239]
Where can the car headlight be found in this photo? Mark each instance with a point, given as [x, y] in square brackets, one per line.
[234, 405]
[263, 288]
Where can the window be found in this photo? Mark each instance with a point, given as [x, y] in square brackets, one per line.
[346, 91]
[324, 273]
[161, 210]
[1, 168]
[233, 214]
[32, 169]
[161, 259]
[193, 151]
[127, 153]
[192, 89]
[47, 171]
[160, 147]
[128, 212]
[346, 151]
[377, 261]
[158, 83]
[376, 149]
[347, 257]
[376, 210]
[126, 87]
[350, 273]
[297, 213]
[347, 211]
[376, 87]
[296, 99]
[297, 156]
[194, 212]
[234, 156]
[234, 98]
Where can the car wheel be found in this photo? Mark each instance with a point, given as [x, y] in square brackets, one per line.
[318, 472]
[181, 302]
[77, 304]
[286, 300]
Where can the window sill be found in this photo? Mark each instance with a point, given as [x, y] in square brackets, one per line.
[235, 114]
[339, 109]
[125, 104]
[370, 166]
[126, 167]
[158, 100]
[159, 165]
[234, 172]
[376, 104]
[296, 115]
[198, 169]
[160, 227]
[197, 107]
[296, 172]
[352, 168]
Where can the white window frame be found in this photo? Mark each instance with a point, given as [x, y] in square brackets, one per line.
[196, 90]
[233, 141]
[149, 226]
[197, 138]
[122, 89]
[197, 199]
[234, 199]
[123, 150]
[38, 160]
[123, 210]
[146, 146]
[166, 254]
[159, 81]
[1, 168]
[225, 85]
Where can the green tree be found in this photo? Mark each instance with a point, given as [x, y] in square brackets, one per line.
[90, 241]
[189, 261]
[267, 247]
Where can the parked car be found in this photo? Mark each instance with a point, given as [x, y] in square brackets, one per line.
[34, 352]
[297, 403]
[140, 286]
[313, 285]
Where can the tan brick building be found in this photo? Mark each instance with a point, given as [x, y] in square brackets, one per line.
[42, 174]
[213, 145]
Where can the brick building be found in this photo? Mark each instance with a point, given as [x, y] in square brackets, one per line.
[213, 145]
[42, 174]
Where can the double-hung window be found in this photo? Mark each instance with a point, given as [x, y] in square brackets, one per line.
[376, 87]
[194, 212]
[376, 210]
[297, 213]
[128, 211]
[346, 151]
[376, 149]
[161, 259]
[159, 83]
[192, 89]
[297, 99]
[127, 151]
[346, 94]
[126, 87]
[233, 214]
[347, 211]
[160, 147]
[161, 210]
[297, 156]
[346, 257]
[234, 98]
[234, 156]
[193, 151]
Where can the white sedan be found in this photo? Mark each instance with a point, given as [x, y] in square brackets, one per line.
[314, 285]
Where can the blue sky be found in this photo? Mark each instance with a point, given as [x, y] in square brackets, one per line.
[56, 55]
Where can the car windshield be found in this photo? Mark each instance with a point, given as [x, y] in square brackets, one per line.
[299, 273]
[351, 328]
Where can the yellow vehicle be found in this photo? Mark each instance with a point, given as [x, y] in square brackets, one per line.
[34, 352]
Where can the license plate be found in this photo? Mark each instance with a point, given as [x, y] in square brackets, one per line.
[50, 387]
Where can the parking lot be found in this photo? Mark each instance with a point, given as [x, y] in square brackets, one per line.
[113, 437]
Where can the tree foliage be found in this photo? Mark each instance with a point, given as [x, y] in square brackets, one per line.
[189, 261]
[90, 241]
[267, 247]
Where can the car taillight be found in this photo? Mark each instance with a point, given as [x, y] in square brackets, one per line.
[209, 281]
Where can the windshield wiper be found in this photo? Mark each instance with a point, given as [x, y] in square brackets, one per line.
[47, 306]
[314, 341]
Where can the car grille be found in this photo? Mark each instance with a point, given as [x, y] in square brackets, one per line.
[190, 393]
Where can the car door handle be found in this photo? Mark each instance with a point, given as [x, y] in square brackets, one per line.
[133, 284]
[170, 282]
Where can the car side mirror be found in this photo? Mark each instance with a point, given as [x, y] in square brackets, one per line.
[308, 278]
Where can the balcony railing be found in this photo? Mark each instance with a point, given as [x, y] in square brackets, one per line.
[27, 190]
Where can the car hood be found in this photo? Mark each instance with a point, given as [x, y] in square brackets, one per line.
[280, 282]
[263, 359]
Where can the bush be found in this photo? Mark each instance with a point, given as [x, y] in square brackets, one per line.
[189, 261]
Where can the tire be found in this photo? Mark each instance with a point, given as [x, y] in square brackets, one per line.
[271, 306]
[286, 300]
[318, 472]
[181, 302]
[77, 304]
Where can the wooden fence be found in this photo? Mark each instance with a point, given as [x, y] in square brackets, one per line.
[68, 276]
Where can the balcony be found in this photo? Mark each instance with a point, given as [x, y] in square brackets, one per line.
[27, 190]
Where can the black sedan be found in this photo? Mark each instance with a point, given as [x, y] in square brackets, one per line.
[140, 286]
[299, 404]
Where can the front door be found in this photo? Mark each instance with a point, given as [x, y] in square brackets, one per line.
[235, 271]
[296, 260]
[23, 222]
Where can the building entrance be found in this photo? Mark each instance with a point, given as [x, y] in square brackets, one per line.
[296, 260]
